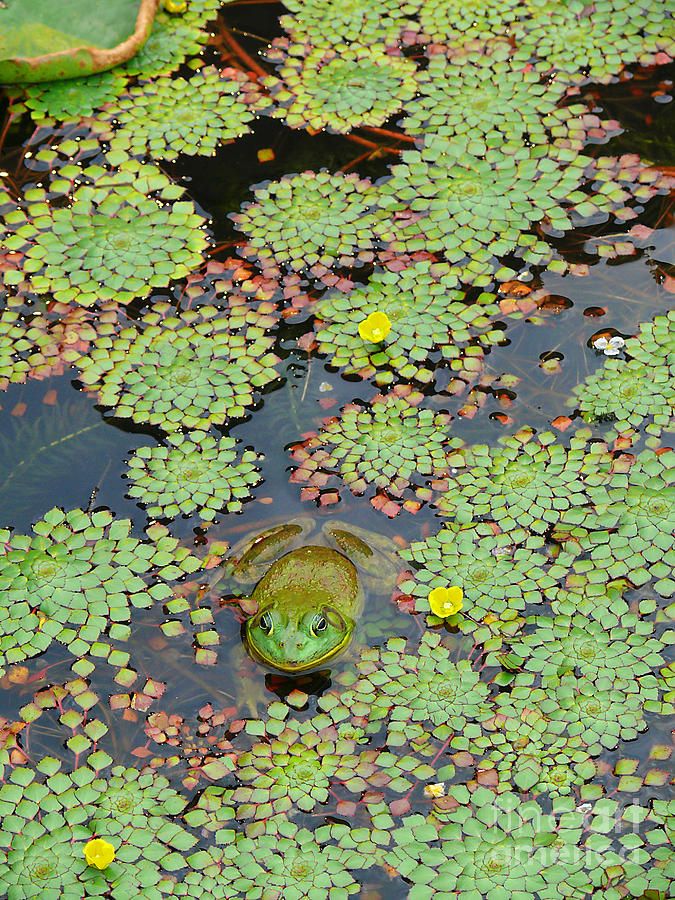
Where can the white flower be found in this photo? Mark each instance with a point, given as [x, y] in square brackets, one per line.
[611, 347]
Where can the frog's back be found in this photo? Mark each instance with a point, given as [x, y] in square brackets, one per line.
[314, 575]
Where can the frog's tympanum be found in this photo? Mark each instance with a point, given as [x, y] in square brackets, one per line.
[310, 589]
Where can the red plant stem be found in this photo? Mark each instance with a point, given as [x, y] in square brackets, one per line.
[26, 148]
[236, 47]
[397, 136]
[8, 122]
[356, 161]
[224, 246]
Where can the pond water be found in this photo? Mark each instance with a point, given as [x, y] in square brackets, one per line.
[518, 748]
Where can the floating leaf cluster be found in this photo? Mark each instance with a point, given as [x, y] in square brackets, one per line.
[173, 39]
[628, 391]
[169, 116]
[194, 473]
[181, 371]
[500, 574]
[577, 42]
[527, 482]
[338, 90]
[416, 691]
[491, 844]
[456, 197]
[44, 342]
[120, 236]
[323, 24]
[308, 219]
[49, 816]
[427, 312]
[391, 444]
[76, 579]
[74, 98]
[454, 23]
[489, 95]
[503, 726]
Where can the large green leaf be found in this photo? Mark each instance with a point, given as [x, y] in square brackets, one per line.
[45, 40]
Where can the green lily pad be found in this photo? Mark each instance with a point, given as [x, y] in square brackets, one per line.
[34, 46]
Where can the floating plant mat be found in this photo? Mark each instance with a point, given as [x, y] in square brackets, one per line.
[366, 263]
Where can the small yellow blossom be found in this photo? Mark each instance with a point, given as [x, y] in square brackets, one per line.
[98, 852]
[175, 7]
[446, 602]
[375, 327]
[434, 791]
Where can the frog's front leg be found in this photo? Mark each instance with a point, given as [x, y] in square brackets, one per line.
[250, 557]
[372, 553]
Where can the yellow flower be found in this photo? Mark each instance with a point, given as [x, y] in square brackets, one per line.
[175, 7]
[99, 853]
[375, 327]
[446, 602]
[434, 791]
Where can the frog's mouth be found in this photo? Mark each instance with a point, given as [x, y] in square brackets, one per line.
[288, 666]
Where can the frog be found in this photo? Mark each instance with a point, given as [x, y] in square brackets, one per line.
[309, 592]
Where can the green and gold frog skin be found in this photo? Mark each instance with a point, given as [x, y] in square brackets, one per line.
[310, 589]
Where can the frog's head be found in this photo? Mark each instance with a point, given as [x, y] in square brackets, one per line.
[294, 640]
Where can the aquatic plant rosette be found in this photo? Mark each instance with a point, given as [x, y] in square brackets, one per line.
[391, 444]
[123, 233]
[192, 370]
[194, 473]
[310, 219]
[427, 311]
[338, 89]
[170, 116]
[76, 580]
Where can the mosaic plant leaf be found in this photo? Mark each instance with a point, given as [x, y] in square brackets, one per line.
[414, 691]
[527, 482]
[574, 40]
[629, 531]
[354, 21]
[14, 367]
[501, 844]
[76, 580]
[39, 44]
[390, 444]
[499, 574]
[42, 342]
[457, 197]
[427, 312]
[338, 90]
[194, 473]
[283, 861]
[557, 645]
[628, 391]
[49, 815]
[291, 770]
[453, 22]
[174, 38]
[73, 99]
[170, 116]
[308, 219]
[120, 236]
[181, 371]
[487, 95]
[201, 751]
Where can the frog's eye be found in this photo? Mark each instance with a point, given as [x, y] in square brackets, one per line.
[266, 623]
[318, 625]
